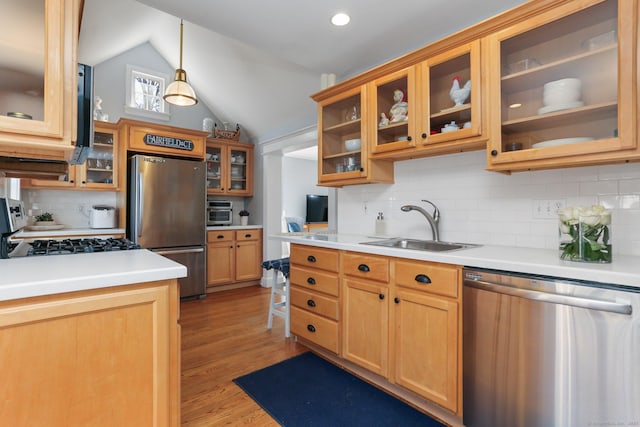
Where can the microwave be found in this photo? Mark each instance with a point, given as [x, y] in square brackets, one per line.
[219, 212]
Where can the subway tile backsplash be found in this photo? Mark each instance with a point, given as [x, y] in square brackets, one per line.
[484, 207]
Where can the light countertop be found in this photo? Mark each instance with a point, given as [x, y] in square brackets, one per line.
[624, 270]
[44, 275]
[233, 227]
[102, 232]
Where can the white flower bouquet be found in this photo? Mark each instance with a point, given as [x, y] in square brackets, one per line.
[585, 234]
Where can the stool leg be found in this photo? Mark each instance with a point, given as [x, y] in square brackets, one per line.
[287, 306]
[272, 300]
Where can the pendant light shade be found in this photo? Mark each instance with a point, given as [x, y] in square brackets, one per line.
[180, 92]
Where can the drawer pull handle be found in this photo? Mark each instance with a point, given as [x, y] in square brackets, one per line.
[364, 268]
[311, 303]
[220, 236]
[423, 278]
[247, 236]
[311, 328]
[311, 280]
[396, 300]
[311, 258]
[381, 296]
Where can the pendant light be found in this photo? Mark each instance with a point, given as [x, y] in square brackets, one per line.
[179, 92]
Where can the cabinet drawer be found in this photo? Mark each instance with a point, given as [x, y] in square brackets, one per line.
[248, 235]
[326, 259]
[219, 236]
[366, 266]
[315, 280]
[435, 278]
[315, 303]
[317, 329]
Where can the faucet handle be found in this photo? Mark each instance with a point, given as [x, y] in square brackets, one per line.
[436, 211]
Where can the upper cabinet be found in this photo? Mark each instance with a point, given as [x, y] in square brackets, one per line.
[38, 78]
[229, 167]
[563, 87]
[343, 142]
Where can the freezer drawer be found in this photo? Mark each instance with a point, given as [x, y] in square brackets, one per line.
[195, 259]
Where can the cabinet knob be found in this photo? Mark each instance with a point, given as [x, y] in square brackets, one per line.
[84, 182]
[361, 169]
[237, 246]
[381, 296]
[396, 300]
[311, 328]
[311, 258]
[311, 280]
[494, 152]
[220, 236]
[311, 303]
[422, 278]
[247, 236]
[364, 268]
[424, 135]
[71, 181]
[409, 138]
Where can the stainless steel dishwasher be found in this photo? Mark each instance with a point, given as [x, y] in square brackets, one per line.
[543, 351]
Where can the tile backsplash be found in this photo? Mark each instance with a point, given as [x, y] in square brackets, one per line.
[70, 208]
[478, 206]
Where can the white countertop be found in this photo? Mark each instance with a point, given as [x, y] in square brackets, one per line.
[624, 270]
[233, 227]
[44, 275]
[102, 232]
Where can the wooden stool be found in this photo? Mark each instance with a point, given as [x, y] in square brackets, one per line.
[280, 307]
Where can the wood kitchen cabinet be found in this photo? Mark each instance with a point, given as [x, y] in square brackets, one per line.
[426, 334]
[99, 357]
[340, 119]
[233, 257]
[365, 322]
[98, 173]
[229, 167]
[315, 296]
[592, 41]
[51, 132]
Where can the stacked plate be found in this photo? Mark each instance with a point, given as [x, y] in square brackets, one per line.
[560, 95]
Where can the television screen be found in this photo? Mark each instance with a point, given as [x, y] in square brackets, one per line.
[317, 208]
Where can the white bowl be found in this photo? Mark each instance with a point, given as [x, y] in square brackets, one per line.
[564, 91]
[352, 144]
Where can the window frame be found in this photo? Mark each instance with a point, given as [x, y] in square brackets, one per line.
[129, 107]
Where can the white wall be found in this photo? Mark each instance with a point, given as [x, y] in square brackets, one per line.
[70, 208]
[484, 207]
[299, 178]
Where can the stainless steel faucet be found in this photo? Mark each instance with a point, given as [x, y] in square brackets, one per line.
[432, 219]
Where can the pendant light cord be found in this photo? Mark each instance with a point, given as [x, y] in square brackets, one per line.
[181, 25]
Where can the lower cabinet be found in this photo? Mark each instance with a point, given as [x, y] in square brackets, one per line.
[315, 292]
[233, 256]
[105, 357]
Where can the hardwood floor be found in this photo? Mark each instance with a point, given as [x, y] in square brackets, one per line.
[225, 336]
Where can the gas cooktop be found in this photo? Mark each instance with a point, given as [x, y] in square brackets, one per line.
[70, 246]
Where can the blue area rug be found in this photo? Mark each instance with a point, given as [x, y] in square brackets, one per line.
[306, 390]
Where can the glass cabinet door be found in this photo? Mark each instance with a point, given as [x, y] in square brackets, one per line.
[215, 168]
[561, 89]
[450, 103]
[342, 145]
[99, 169]
[238, 170]
[394, 109]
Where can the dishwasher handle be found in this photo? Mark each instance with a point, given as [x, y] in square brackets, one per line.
[588, 303]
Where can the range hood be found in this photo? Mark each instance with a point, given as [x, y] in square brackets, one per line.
[12, 167]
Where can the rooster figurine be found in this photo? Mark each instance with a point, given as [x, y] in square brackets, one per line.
[459, 94]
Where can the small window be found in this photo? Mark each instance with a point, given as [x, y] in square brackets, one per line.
[145, 89]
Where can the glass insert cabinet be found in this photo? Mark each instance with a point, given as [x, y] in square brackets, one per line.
[561, 88]
[229, 167]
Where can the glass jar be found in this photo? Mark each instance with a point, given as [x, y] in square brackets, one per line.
[585, 234]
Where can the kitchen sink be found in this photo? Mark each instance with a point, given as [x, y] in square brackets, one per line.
[420, 245]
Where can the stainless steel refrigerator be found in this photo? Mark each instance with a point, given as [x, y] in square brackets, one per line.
[166, 214]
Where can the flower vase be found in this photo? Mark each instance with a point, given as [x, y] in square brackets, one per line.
[585, 234]
[244, 220]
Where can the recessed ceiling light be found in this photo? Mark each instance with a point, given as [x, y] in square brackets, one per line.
[340, 19]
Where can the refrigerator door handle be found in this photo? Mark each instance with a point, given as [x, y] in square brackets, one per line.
[179, 251]
[139, 205]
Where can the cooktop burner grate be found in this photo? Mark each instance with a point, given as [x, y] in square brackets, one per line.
[77, 246]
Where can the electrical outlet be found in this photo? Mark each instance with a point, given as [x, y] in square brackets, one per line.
[547, 209]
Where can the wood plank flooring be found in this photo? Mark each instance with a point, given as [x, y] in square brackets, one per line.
[225, 336]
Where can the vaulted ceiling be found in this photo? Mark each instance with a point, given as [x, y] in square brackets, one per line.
[256, 62]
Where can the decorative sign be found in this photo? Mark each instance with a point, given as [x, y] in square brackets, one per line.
[168, 141]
